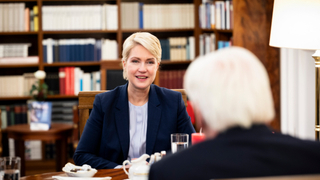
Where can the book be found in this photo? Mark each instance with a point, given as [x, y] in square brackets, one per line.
[27, 19]
[35, 18]
[20, 60]
[40, 114]
[62, 80]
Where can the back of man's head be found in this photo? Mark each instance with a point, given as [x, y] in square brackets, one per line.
[231, 88]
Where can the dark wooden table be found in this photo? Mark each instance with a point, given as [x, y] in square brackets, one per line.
[116, 174]
[58, 132]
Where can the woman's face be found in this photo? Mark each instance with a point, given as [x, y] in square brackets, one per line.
[141, 67]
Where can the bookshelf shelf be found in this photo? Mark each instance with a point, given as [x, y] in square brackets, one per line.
[61, 64]
[12, 98]
[62, 97]
[18, 65]
[166, 62]
[230, 31]
[80, 32]
[4, 1]
[18, 33]
[156, 30]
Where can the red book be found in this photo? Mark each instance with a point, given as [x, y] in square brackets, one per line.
[71, 92]
[67, 84]
[62, 80]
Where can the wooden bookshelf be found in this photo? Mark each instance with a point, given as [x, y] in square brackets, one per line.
[119, 35]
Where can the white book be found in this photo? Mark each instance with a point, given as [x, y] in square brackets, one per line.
[49, 50]
[218, 14]
[104, 16]
[213, 17]
[86, 82]
[11, 17]
[112, 17]
[5, 17]
[15, 18]
[21, 7]
[191, 10]
[223, 15]
[76, 80]
[191, 47]
[1, 51]
[96, 17]
[123, 15]
[1, 17]
[227, 4]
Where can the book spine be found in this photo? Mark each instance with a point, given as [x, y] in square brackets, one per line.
[35, 18]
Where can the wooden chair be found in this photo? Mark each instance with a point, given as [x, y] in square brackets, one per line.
[86, 99]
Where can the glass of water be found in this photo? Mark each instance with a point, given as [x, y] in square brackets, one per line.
[10, 168]
[179, 141]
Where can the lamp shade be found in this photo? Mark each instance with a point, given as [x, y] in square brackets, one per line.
[296, 24]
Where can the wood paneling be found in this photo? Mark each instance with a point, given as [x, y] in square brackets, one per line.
[252, 24]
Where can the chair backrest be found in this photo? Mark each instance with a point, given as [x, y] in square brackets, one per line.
[86, 99]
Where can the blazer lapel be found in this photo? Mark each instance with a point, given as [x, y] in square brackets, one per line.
[154, 116]
[122, 120]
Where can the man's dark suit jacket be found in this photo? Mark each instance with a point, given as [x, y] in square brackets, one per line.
[241, 153]
[105, 140]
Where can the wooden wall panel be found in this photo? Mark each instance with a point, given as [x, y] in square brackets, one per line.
[252, 24]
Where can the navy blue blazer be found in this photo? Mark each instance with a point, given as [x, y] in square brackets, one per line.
[241, 153]
[105, 140]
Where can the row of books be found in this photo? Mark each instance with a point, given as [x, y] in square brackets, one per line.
[14, 50]
[172, 79]
[13, 114]
[71, 50]
[72, 80]
[51, 153]
[224, 44]
[16, 85]
[136, 15]
[207, 43]
[216, 15]
[60, 112]
[80, 17]
[17, 17]
[178, 48]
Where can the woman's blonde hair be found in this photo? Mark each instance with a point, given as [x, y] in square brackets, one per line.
[145, 39]
[230, 88]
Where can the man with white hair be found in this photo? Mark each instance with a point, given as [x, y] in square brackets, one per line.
[232, 101]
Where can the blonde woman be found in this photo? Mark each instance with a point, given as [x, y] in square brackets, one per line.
[135, 118]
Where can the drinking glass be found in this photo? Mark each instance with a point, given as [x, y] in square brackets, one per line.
[179, 141]
[10, 168]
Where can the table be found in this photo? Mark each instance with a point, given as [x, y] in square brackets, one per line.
[116, 174]
[58, 132]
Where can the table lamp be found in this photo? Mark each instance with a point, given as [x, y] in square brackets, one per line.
[295, 24]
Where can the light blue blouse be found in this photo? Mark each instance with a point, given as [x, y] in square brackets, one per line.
[138, 130]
